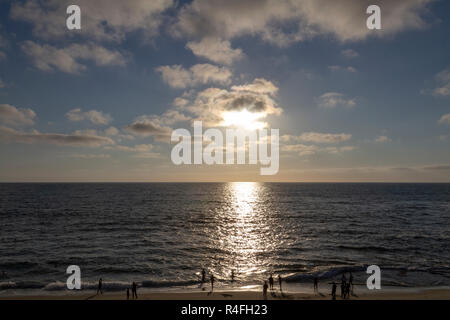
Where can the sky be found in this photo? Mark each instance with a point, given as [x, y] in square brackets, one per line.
[100, 103]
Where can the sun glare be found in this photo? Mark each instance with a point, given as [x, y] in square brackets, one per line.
[243, 119]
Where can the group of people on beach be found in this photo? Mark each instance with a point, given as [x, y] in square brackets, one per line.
[133, 289]
[346, 287]
[270, 285]
[212, 279]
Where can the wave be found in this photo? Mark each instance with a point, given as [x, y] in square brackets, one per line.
[92, 285]
[326, 273]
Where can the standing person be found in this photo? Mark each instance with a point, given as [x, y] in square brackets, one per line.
[350, 281]
[265, 286]
[279, 281]
[271, 282]
[347, 290]
[100, 285]
[128, 293]
[212, 282]
[333, 291]
[203, 276]
[343, 285]
[134, 290]
[316, 284]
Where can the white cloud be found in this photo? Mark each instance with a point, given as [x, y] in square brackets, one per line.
[70, 59]
[178, 77]
[216, 50]
[137, 148]
[349, 53]
[318, 137]
[36, 137]
[101, 19]
[180, 102]
[445, 119]
[339, 68]
[443, 81]
[301, 149]
[381, 139]
[285, 21]
[331, 100]
[94, 116]
[12, 116]
[309, 150]
[112, 131]
[256, 97]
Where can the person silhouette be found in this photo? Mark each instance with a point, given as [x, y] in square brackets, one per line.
[271, 282]
[100, 285]
[265, 286]
[134, 290]
[347, 290]
[279, 281]
[128, 293]
[212, 282]
[203, 276]
[343, 285]
[316, 284]
[350, 281]
[333, 291]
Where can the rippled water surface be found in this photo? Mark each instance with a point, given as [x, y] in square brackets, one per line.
[161, 235]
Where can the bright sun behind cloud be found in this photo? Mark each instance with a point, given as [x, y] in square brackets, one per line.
[243, 119]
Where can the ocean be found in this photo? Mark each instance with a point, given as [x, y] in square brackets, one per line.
[161, 235]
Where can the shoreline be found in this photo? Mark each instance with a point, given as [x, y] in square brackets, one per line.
[437, 293]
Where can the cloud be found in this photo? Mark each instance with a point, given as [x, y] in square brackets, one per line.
[309, 150]
[282, 22]
[318, 137]
[178, 77]
[109, 20]
[150, 126]
[443, 81]
[12, 116]
[445, 119]
[137, 148]
[256, 97]
[301, 149]
[112, 131]
[94, 116]
[90, 156]
[216, 50]
[35, 137]
[349, 53]
[381, 139]
[70, 59]
[339, 68]
[331, 100]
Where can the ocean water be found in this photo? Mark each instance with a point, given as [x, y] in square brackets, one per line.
[162, 234]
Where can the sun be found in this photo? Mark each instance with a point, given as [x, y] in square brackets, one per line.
[243, 119]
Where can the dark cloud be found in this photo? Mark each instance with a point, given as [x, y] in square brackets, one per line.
[74, 140]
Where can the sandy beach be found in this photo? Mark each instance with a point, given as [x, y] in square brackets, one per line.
[400, 294]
